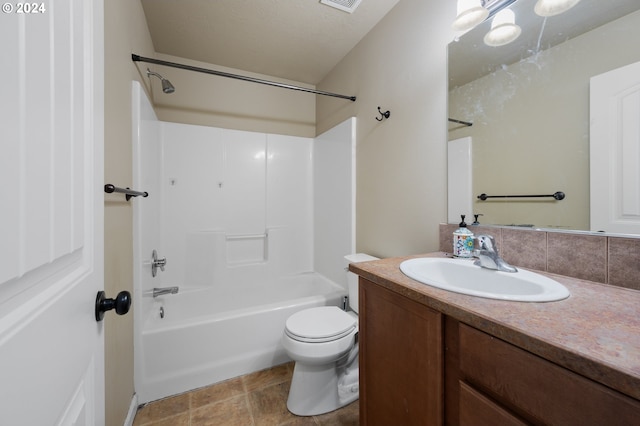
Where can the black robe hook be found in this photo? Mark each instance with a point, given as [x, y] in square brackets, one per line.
[384, 115]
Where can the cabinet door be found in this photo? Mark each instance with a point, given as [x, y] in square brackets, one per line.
[401, 362]
[537, 390]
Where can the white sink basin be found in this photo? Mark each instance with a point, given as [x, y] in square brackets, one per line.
[462, 276]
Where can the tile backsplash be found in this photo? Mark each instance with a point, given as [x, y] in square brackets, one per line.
[605, 259]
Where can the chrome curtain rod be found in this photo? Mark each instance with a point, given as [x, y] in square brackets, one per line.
[558, 196]
[108, 188]
[138, 58]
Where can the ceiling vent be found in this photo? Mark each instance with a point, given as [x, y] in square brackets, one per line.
[344, 5]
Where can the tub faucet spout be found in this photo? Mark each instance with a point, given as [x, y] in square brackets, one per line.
[164, 290]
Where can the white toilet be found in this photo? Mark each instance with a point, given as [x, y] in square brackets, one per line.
[323, 343]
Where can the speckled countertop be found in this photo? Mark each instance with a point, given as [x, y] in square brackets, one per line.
[595, 332]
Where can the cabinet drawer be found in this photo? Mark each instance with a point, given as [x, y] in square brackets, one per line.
[536, 389]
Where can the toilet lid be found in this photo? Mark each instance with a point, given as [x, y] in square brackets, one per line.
[321, 324]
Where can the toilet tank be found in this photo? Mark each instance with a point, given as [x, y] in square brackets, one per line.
[352, 279]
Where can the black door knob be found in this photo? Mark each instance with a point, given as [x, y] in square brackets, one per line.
[121, 304]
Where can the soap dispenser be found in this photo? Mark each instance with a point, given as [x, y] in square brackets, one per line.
[463, 241]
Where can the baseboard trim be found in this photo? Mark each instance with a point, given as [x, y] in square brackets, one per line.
[131, 415]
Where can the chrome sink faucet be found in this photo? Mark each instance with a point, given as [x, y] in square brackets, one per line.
[487, 252]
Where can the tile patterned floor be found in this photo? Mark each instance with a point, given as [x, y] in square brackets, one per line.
[256, 399]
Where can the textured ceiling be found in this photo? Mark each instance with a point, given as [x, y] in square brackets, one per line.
[300, 40]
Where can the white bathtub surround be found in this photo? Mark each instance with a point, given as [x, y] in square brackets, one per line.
[253, 226]
[334, 201]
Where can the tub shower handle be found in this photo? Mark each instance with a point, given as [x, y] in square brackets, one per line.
[157, 263]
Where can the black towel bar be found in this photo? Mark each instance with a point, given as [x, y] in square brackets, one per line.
[108, 188]
[558, 196]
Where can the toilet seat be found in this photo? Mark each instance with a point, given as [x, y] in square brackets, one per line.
[321, 324]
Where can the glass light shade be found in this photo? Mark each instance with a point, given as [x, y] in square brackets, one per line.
[470, 14]
[553, 7]
[503, 29]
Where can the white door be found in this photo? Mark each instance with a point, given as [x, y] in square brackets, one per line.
[615, 151]
[51, 213]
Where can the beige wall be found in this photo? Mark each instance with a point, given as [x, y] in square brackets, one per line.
[400, 66]
[531, 127]
[125, 32]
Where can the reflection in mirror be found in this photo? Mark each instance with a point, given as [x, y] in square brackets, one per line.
[529, 105]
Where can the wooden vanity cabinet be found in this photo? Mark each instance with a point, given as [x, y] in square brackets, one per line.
[421, 367]
[401, 359]
[491, 382]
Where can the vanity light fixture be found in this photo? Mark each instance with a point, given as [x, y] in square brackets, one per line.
[470, 14]
[553, 7]
[503, 29]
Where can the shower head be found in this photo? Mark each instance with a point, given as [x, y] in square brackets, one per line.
[167, 87]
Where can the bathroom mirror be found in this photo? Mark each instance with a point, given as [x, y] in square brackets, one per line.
[529, 105]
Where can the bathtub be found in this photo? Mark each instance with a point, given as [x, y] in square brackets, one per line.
[209, 335]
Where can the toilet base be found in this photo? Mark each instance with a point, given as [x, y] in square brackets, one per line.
[319, 389]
